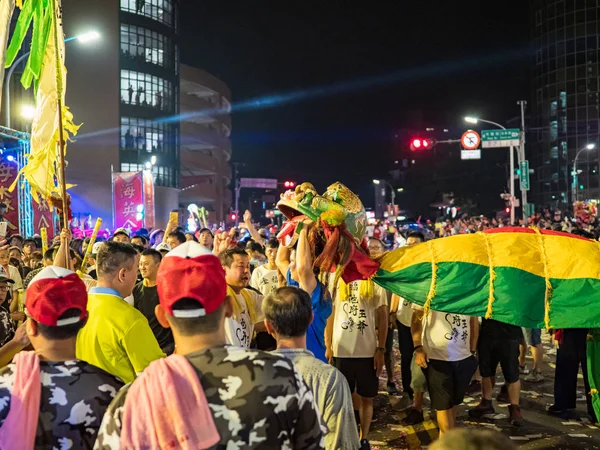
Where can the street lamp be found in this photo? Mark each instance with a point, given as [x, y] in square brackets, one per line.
[400, 189]
[84, 38]
[377, 182]
[27, 111]
[511, 158]
[574, 191]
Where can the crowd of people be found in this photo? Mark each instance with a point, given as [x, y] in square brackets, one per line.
[203, 340]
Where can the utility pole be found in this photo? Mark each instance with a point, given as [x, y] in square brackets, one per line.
[524, 208]
[237, 189]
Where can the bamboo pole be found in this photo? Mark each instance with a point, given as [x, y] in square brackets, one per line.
[90, 246]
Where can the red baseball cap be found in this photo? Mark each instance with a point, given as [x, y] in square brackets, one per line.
[51, 293]
[191, 271]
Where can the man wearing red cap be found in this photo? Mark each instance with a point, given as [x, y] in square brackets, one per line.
[254, 399]
[49, 398]
[117, 337]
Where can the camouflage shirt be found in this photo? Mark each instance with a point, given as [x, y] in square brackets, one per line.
[74, 397]
[258, 401]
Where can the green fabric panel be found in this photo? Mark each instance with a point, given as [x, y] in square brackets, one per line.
[518, 295]
[21, 27]
[575, 303]
[519, 298]
[593, 366]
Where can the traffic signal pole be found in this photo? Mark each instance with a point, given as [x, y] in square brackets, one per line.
[524, 208]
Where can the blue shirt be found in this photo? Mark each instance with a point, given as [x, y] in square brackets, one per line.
[322, 307]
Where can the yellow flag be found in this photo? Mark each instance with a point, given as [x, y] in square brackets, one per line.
[43, 163]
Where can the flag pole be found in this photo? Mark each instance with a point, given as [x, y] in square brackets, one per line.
[61, 139]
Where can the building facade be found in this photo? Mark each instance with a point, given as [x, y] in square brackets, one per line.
[205, 142]
[124, 89]
[565, 101]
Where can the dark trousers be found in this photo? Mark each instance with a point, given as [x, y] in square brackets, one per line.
[407, 349]
[570, 354]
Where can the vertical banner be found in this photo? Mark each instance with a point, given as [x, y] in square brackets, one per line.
[148, 199]
[128, 199]
[8, 174]
[43, 218]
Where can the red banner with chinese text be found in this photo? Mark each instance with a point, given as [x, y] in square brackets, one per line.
[8, 173]
[43, 218]
[128, 198]
[148, 199]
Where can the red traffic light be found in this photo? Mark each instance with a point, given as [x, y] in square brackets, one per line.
[289, 184]
[421, 144]
[507, 210]
[233, 217]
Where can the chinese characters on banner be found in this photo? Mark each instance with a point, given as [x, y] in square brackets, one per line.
[42, 217]
[148, 199]
[8, 173]
[128, 199]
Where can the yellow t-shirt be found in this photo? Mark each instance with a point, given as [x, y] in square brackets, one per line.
[116, 337]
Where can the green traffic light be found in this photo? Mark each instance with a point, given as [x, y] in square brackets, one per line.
[581, 186]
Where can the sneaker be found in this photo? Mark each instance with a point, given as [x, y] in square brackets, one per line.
[484, 407]
[535, 376]
[364, 445]
[515, 418]
[414, 417]
[503, 396]
[391, 388]
[523, 370]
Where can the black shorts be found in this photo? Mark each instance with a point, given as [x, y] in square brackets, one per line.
[447, 381]
[360, 374]
[492, 352]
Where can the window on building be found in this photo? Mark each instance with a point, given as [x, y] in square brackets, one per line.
[142, 89]
[160, 10]
[146, 46]
[141, 135]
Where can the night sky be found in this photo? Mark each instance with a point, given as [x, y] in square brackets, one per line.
[357, 77]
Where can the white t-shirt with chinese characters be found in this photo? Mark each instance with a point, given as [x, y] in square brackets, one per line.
[264, 279]
[405, 312]
[446, 336]
[355, 322]
[239, 331]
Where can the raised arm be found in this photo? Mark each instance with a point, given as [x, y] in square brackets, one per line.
[255, 236]
[304, 263]
[283, 260]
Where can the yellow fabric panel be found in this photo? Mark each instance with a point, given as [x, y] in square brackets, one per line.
[567, 257]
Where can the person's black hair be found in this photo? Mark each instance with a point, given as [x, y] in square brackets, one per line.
[192, 326]
[583, 233]
[255, 247]
[49, 254]
[16, 236]
[189, 233]
[77, 245]
[289, 311]
[143, 238]
[29, 241]
[416, 235]
[272, 243]
[114, 256]
[14, 262]
[65, 331]
[226, 256]
[154, 253]
[177, 235]
[138, 248]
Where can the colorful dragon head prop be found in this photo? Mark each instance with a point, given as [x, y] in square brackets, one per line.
[337, 239]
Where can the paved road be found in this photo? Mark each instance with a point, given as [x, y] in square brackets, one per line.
[539, 431]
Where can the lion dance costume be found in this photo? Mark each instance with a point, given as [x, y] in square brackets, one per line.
[522, 276]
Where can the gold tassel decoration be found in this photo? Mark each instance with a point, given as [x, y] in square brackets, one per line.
[548, 292]
[431, 293]
[488, 248]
